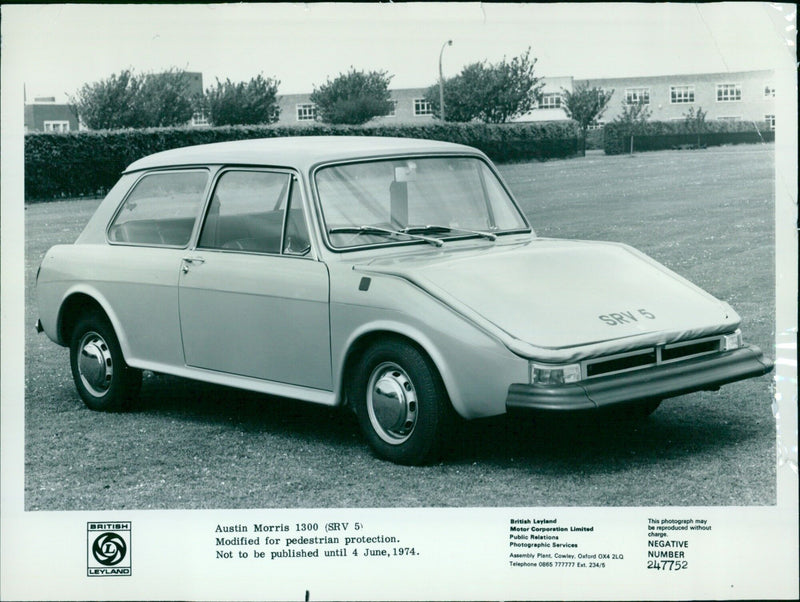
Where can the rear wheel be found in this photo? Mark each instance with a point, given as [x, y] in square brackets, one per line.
[103, 379]
[402, 407]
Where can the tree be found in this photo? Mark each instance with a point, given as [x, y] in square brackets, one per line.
[243, 103]
[165, 98]
[633, 119]
[353, 98]
[585, 105]
[492, 93]
[108, 103]
[696, 122]
[127, 100]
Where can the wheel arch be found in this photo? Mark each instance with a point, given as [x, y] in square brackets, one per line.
[77, 303]
[363, 339]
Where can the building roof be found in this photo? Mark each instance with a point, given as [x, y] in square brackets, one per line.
[299, 152]
[689, 77]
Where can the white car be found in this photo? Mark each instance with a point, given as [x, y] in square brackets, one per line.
[394, 276]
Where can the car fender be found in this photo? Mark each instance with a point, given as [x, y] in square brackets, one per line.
[462, 352]
[418, 337]
[94, 294]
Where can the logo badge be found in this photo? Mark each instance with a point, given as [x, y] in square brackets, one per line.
[108, 549]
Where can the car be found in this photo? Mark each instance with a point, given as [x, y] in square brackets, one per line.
[395, 277]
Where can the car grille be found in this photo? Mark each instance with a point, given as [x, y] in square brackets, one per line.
[650, 356]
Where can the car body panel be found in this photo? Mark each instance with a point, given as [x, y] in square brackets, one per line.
[609, 295]
[122, 280]
[257, 315]
[302, 153]
[94, 232]
[462, 352]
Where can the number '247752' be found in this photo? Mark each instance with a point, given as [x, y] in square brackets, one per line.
[667, 565]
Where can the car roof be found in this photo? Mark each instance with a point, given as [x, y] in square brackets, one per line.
[299, 152]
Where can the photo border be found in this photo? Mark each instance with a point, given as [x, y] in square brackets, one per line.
[753, 552]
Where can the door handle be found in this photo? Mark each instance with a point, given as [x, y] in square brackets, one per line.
[193, 261]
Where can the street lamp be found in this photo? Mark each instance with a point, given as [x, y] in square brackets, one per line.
[441, 79]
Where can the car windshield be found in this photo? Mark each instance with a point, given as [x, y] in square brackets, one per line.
[414, 200]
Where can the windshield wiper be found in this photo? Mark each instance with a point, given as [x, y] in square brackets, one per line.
[384, 231]
[442, 229]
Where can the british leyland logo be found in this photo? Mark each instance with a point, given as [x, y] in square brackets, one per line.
[109, 549]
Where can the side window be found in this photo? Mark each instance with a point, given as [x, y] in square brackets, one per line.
[296, 241]
[160, 210]
[248, 212]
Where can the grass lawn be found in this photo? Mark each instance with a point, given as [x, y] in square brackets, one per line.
[708, 214]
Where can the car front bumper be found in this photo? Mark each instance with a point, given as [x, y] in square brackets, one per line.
[659, 382]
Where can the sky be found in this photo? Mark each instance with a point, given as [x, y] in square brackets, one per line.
[55, 49]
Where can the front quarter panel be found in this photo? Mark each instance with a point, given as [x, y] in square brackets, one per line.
[476, 368]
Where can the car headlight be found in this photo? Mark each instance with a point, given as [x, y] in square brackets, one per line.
[732, 341]
[543, 374]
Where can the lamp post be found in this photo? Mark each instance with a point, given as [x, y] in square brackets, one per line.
[441, 79]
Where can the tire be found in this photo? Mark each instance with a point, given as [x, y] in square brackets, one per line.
[402, 406]
[103, 379]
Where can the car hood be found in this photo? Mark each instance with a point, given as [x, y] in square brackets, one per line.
[561, 300]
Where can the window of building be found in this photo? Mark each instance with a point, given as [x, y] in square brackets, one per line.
[769, 91]
[770, 119]
[550, 100]
[729, 92]
[635, 96]
[56, 126]
[422, 107]
[730, 118]
[161, 209]
[199, 118]
[393, 111]
[681, 94]
[306, 112]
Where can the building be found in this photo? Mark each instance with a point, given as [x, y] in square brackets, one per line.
[44, 114]
[550, 107]
[410, 106]
[737, 96]
[195, 89]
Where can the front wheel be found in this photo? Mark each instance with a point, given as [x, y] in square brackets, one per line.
[103, 379]
[401, 403]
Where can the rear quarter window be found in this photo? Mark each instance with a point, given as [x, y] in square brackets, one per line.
[160, 210]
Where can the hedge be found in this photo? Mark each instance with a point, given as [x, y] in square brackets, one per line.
[659, 135]
[594, 139]
[89, 163]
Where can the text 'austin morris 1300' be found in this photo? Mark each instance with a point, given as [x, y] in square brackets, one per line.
[397, 277]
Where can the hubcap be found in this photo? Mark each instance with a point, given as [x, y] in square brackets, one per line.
[94, 364]
[391, 403]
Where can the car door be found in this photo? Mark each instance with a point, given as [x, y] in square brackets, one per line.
[253, 301]
[138, 272]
